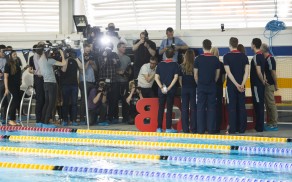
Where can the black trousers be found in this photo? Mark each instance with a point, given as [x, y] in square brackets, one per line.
[206, 104]
[50, 90]
[258, 96]
[189, 110]
[236, 110]
[147, 92]
[169, 100]
[113, 101]
[219, 97]
[93, 114]
[40, 96]
[15, 102]
[89, 86]
[4, 104]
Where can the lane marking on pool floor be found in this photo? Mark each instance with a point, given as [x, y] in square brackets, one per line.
[125, 172]
[181, 160]
[151, 134]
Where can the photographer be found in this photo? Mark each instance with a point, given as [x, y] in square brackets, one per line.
[132, 98]
[69, 84]
[114, 36]
[146, 77]
[109, 63]
[46, 62]
[176, 43]
[38, 84]
[90, 68]
[97, 104]
[143, 50]
[123, 81]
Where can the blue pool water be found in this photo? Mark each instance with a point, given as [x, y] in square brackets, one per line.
[156, 166]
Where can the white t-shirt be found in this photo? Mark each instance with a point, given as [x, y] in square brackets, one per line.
[145, 70]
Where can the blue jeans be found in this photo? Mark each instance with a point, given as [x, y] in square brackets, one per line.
[70, 93]
[189, 110]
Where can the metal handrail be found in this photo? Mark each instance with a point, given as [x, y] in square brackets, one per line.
[8, 107]
[29, 104]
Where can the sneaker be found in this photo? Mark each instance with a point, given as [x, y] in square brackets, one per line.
[105, 123]
[159, 130]
[64, 123]
[170, 131]
[74, 123]
[49, 126]
[39, 125]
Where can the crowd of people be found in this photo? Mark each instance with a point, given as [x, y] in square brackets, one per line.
[111, 78]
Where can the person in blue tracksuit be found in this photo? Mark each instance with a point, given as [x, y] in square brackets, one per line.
[236, 65]
[206, 73]
[219, 90]
[258, 81]
[166, 76]
[188, 93]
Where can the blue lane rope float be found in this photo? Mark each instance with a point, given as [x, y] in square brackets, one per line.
[153, 174]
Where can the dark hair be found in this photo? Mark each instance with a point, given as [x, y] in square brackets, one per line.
[169, 29]
[2, 46]
[40, 49]
[257, 43]
[120, 44]
[233, 42]
[9, 47]
[241, 48]
[207, 44]
[34, 47]
[12, 64]
[153, 58]
[169, 53]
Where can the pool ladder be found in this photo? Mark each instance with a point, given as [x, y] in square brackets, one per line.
[29, 91]
[9, 103]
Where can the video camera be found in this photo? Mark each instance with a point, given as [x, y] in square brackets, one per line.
[104, 84]
[52, 50]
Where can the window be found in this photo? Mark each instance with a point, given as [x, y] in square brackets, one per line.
[132, 14]
[209, 14]
[29, 16]
[195, 14]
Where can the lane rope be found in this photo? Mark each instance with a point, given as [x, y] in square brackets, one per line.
[127, 173]
[152, 145]
[182, 160]
[150, 134]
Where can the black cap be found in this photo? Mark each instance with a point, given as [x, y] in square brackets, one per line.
[169, 29]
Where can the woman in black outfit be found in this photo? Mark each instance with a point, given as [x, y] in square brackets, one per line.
[12, 82]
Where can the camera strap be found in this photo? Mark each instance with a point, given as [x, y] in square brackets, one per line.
[168, 42]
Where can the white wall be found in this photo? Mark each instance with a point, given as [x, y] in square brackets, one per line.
[193, 38]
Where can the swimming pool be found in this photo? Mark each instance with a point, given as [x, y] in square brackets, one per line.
[81, 155]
